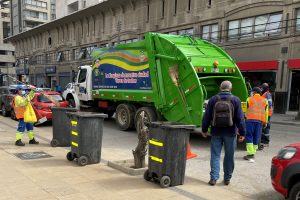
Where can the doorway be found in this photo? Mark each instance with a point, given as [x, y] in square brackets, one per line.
[295, 91]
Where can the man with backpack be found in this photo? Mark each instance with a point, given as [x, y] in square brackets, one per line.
[224, 114]
[256, 117]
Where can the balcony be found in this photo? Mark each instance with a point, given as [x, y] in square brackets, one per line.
[35, 8]
[33, 19]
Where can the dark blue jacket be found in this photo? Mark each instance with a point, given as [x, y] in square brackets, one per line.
[238, 119]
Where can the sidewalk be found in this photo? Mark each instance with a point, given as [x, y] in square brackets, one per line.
[57, 178]
[285, 119]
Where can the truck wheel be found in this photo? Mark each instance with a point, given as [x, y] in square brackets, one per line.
[72, 103]
[125, 116]
[150, 115]
[295, 192]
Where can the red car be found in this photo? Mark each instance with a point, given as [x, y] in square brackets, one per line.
[285, 171]
[42, 104]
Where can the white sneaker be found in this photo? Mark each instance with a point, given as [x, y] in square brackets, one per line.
[251, 160]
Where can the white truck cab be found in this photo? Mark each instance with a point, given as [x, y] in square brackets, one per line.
[80, 92]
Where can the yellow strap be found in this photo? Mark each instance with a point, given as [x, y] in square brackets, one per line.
[156, 159]
[75, 144]
[74, 122]
[74, 133]
[160, 144]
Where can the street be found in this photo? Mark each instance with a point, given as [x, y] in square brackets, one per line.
[250, 180]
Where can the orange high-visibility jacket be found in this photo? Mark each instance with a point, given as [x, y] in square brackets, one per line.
[19, 104]
[257, 108]
[269, 102]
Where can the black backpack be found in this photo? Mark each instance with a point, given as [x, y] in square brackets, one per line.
[223, 112]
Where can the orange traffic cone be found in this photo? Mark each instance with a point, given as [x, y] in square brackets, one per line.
[189, 154]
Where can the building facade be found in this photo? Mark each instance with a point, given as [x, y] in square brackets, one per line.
[27, 14]
[262, 36]
[7, 59]
[66, 7]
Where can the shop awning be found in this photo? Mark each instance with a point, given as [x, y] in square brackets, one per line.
[294, 63]
[258, 65]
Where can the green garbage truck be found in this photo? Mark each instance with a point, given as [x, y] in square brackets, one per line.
[169, 77]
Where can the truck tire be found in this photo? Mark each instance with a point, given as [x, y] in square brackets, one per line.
[150, 114]
[125, 116]
[71, 103]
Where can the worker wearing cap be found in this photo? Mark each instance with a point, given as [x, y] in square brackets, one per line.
[20, 103]
[256, 116]
[265, 137]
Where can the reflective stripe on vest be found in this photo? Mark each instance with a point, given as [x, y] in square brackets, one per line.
[269, 100]
[19, 110]
[257, 108]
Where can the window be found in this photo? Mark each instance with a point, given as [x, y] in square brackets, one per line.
[246, 27]
[258, 26]
[298, 20]
[82, 54]
[82, 75]
[59, 56]
[210, 32]
[273, 25]
[189, 32]
[233, 29]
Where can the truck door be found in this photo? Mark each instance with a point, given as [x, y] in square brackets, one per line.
[81, 85]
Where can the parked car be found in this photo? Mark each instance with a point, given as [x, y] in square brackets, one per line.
[285, 171]
[7, 94]
[42, 104]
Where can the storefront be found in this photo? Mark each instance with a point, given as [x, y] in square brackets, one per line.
[64, 78]
[294, 84]
[51, 77]
[22, 74]
[260, 72]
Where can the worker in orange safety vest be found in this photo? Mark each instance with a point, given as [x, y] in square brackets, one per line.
[256, 117]
[19, 103]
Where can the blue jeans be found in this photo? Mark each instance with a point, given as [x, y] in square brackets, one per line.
[216, 145]
[23, 125]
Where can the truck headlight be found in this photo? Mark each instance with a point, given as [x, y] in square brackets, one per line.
[287, 153]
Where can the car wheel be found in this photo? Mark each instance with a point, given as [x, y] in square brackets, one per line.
[13, 115]
[4, 111]
[295, 192]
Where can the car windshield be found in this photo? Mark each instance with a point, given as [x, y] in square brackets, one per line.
[44, 99]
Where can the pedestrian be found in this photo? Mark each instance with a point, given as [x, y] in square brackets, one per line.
[265, 137]
[19, 103]
[224, 114]
[256, 117]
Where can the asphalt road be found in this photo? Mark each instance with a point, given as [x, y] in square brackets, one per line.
[249, 179]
